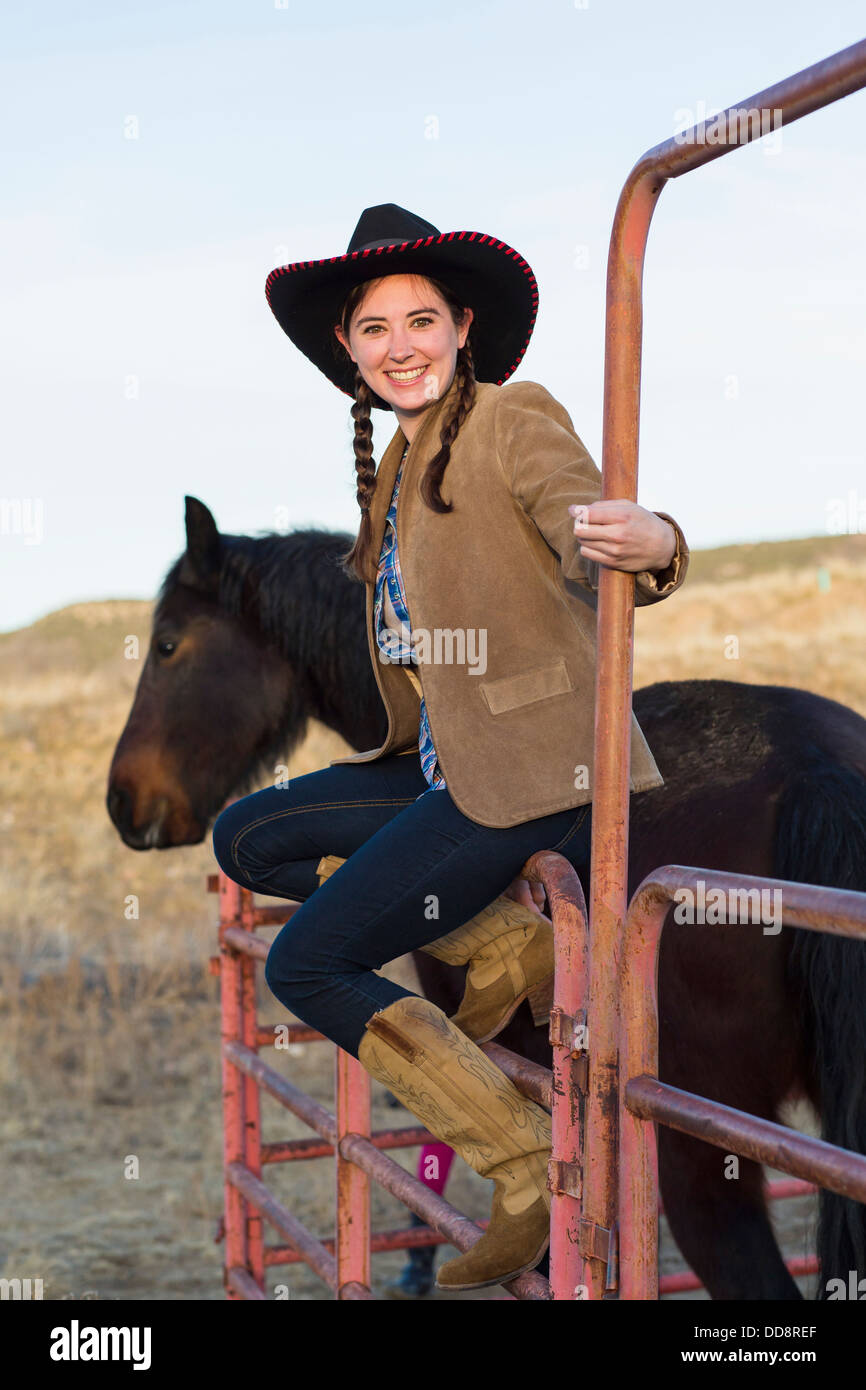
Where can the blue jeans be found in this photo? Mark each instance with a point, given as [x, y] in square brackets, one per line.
[416, 868]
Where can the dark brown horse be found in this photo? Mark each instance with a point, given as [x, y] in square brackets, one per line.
[252, 636]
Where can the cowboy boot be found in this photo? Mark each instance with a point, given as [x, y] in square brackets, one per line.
[327, 866]
[509, 951]
[467, 1102]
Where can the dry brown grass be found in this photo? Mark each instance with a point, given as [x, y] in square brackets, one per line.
[788, 631]
[109, 1026]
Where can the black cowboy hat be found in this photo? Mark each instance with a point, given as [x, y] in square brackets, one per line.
[492, 279]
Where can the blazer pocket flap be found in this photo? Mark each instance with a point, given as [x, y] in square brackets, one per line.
[509, 692]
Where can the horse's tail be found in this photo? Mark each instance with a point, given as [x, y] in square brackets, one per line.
[821, 839]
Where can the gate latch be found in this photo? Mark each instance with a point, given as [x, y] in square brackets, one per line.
[599, 1243]
[564, 1178]
[567, 1030]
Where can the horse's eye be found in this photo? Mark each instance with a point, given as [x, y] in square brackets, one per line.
[166, 648]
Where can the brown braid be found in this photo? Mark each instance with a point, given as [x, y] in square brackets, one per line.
[356, 562]
[435, 470]
[360, 563]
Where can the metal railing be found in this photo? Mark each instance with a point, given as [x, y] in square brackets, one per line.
[342, 1262]
[630, 1264]
[797, 96]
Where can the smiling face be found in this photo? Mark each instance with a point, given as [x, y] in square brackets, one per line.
[404, 342]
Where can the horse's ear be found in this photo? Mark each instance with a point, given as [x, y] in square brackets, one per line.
[201, 563]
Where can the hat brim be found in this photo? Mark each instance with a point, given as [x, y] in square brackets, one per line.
[306, 299]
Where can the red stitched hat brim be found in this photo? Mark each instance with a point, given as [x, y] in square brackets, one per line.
[306, 299]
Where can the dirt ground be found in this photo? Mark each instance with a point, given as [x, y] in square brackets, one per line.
[75, 1217]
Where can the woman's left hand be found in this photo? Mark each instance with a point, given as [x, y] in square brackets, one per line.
[624, 535]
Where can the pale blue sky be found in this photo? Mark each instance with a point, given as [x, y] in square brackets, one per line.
[262, 134]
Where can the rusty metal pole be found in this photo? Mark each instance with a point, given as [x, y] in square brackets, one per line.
[234, 1082]
[562, 1090]
[611, 764]
[796, 96]
[568, 1078]
[639, 1056]
[352, 1244]
[251, 1099]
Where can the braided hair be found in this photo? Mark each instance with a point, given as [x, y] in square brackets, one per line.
[360, 563]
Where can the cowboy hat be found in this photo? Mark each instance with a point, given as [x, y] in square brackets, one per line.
[307, 297]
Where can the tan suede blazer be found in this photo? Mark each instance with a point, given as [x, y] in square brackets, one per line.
[503, 608]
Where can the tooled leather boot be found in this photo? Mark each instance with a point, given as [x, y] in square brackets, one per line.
[453, 1088]
[509, 951]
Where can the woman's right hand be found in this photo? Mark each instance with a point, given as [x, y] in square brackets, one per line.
[531, 895]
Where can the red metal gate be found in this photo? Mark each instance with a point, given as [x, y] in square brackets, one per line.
[341, 1261]
[605, 1096]
[786, 101]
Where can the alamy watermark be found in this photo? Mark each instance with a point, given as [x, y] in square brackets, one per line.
[719, 908]
[77, 1343]
[738, 125]
[440, 646]
[22, 516]
[854, 1288]
[24, 1289]
[846, 516]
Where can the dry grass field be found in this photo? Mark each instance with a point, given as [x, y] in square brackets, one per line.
[109, 1024]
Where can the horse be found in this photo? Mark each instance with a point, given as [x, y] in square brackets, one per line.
[253, 636]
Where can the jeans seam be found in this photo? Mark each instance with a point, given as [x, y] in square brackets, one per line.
[298, 810]
[575, 827]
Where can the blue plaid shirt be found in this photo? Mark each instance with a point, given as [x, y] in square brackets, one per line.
[401, 651]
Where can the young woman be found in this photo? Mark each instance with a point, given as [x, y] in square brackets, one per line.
[483, 523]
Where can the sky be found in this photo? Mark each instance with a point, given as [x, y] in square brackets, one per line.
[161, 159]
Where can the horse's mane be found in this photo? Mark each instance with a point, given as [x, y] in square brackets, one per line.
[272, 581]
